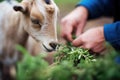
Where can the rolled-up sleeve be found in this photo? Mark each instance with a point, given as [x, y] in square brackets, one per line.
[97, 8]
[112, 34]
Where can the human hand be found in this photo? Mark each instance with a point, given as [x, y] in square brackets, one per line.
[92, 39]
[74, 23]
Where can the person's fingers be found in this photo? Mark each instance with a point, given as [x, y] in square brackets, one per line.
[78, 41]
[79, 29]
[68, 37]
[66, 30]
[82, 46]
[86, 46]
[99, 48]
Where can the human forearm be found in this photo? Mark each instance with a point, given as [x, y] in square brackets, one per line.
[97, 8]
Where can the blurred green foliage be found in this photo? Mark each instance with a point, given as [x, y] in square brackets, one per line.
[36, 68]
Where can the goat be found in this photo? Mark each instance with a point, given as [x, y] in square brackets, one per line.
[18, 21]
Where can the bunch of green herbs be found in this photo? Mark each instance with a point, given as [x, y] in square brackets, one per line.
[75, 55]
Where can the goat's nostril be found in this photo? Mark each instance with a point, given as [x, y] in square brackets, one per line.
[53, 45]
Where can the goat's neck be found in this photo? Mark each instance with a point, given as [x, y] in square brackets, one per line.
[15, 33]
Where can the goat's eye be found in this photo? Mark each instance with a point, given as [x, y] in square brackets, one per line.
[47, 1]
[35, 21]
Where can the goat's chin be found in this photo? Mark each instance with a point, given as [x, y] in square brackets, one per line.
[46, 49]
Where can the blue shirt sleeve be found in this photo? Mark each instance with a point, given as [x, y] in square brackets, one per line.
[112, 34]
[97, 8]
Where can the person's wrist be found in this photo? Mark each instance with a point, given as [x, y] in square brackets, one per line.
[82, 10]
[101, 30]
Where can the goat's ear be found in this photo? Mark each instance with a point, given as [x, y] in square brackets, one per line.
[20, 8]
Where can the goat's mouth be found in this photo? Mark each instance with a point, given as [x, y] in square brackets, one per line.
[48, 50]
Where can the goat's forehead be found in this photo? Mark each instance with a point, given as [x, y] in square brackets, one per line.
[40, 9]
[40, 1]
[41, 5]
[47, 1]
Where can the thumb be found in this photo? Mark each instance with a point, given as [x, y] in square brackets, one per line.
[78, 41]
[66, 32]
[79, 29]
